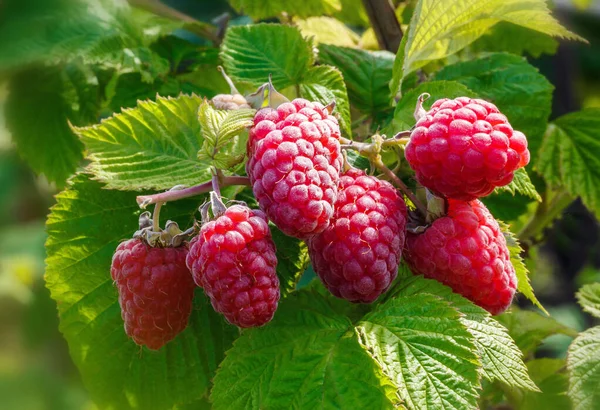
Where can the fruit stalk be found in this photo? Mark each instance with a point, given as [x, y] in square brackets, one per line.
[174, 195]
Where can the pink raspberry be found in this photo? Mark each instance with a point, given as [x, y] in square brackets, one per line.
[464, 148]
[467, 251]
[155, 291]
[294, 165]
[233, 259]
[357, 256]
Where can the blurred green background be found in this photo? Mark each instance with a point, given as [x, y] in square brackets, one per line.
[35, 369]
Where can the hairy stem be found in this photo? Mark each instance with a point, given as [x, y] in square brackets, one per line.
[145, 200]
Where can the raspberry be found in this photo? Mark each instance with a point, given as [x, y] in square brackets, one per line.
[155, 291]
[467, 251]
[294, 165]
[233, 259]
[464, 148]
[357, 256]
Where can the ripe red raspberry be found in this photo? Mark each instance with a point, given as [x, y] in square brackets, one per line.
[294, 165]
[467, 251]
[464, 148]
[357, 256]
[155, 291]
[233, 259]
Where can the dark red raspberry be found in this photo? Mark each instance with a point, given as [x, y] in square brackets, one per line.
[357, 256]
[294, 165]
[155, 291]
[464, 148]
[467, 251]
[233, 259]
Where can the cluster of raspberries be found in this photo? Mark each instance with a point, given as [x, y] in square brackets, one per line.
[355, 225]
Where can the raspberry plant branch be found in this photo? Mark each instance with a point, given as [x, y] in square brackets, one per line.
[547, 211]
[175, 195]
[372, 152]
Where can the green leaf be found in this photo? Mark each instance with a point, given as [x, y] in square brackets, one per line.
[366, 74]
[326, 84]
[64, 30]
[523, 284]
[500, 356]
[521, 184]
[569, 156]
[302, 359]
[152, 146]
[583, 362]
[404, 114]
[589, 298]
[550, 376]
[327, 30]
[440, 28]
[252, 53]
[84, 228]
[260, 10]
[41, 103]
[223, 132]
[425, 350]
[516, 87]
[515, 39]
[528, 329]
[292, 260]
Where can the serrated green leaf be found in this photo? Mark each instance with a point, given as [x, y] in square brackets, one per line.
[302, 359]
[328, 30]
[500, 356]
[510, 38]
[523, 284]
[569, 156]
[260, 10]
[589, 298]
[366, 74]
[152, 146]
[41, 103]
[326, 84]
[583, 362]
[425, 350]
[521, 184]
[224, 133]
[528, 329]
[404, 113]
[84, 228]
[440, 28]
[252, 53]
[292, 260]
[516, 87]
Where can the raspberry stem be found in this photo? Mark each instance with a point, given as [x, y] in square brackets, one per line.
[175, 195]
[400, 185]
[156, 216]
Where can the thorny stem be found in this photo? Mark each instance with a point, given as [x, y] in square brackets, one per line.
[145, 200]
[156, 216]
